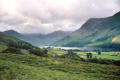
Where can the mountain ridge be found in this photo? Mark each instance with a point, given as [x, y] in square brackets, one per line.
[96, 32]
[38, 38]
[12, 33]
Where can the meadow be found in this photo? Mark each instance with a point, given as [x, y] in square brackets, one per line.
[27, 66]
[104, 55]
[112, 55]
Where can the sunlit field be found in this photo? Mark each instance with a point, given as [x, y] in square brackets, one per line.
[104, 55]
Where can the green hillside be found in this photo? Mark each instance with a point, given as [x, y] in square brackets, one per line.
[10, 41]
[116, 39]
[96, 32]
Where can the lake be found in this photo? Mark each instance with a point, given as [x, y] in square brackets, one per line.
[78, 48]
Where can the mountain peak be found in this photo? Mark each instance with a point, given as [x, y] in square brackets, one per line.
[117, 14]
[96, 32]
[12, 32]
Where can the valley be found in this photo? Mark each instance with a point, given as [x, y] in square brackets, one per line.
[38, 39]
[96, 32]
[90, 53]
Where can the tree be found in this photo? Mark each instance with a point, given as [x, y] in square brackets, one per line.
[71, 55]
[89, 55]
[70, 52]
[39, 52]
[12, 50]
[45, 51]
[99, 52]
[20, 44]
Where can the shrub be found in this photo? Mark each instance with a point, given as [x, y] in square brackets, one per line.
[45, 51]
[104, 61]
[38, 52]
[99, 52]
[12, 50]
[72, 55]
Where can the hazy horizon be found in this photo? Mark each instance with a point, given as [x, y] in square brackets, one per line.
[45, 16]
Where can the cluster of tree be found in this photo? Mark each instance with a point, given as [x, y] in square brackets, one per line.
[104, 61]
[72, 55]
[113, 46]
[20, 44]
[89, 55]
[39, 52]
[12, 50]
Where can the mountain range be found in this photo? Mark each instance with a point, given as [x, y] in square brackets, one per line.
[39, 39]
[96, 32]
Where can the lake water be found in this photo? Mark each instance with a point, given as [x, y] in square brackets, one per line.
[78, 48]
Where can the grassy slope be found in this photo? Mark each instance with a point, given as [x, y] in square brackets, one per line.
[5, 40]
[56, 51]
[27, 66]
[2, 47]
[116, 39]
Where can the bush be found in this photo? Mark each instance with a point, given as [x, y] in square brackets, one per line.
[104, 61]
[72, 55]
[38, 52]
[99, 52]
[12, 50]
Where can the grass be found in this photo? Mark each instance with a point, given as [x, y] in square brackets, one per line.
[2, 47]
[23, 51]
[104, 55]
[31, 67]
[56, 51]
[116, 39]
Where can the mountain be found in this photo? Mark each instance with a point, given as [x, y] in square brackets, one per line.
[12, 33]
[8, 40]
[96, 32]
[45, 39]
[39, 39]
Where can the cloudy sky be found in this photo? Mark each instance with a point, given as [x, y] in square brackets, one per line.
[44, 16]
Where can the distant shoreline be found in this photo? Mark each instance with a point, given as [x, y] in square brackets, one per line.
[79, 48]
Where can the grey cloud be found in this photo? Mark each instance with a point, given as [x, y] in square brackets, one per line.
[12, 21]
[44, 16]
